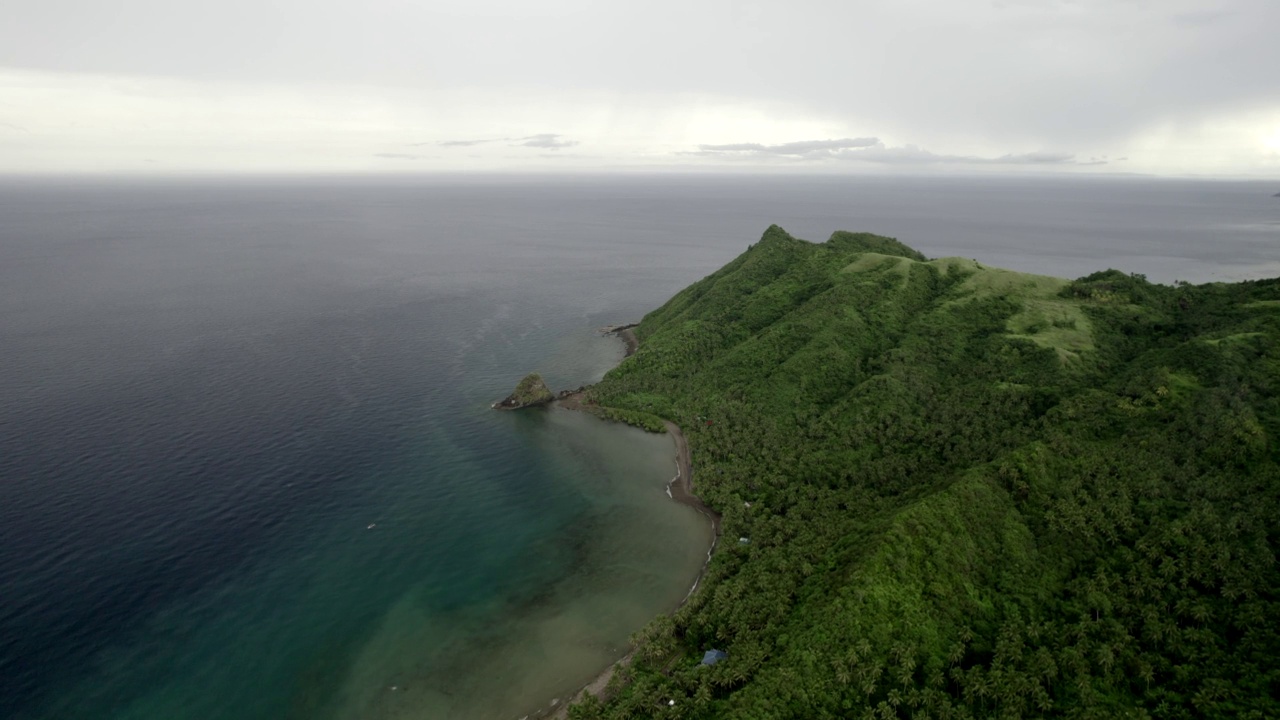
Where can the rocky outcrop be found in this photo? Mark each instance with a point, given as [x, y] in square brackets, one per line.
[569, 393]
[607, 329]
[532, 390]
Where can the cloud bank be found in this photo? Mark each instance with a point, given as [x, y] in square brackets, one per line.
[546, 141]
[800, 149]
[65, 122]
[873, 150]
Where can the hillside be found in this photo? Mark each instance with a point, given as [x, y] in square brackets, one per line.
[967, 492]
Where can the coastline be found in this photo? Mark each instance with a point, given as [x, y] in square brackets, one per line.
[626, 331]
[679, 489]
[629, 337]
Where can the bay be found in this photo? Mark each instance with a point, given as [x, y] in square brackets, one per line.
[247, 464]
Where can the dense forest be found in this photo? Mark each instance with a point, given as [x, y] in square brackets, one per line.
[954, 491]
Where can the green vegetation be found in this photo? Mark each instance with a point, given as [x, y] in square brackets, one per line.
[969, 492]
[638, 418]
[531, 390]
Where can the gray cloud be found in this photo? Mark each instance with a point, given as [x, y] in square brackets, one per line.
[873, 150]
[910, 154]
[803, 148]
[459, 143]
[548, 141]
[1201, 18]
[1044, 5]
[1037, 158]
[396, 156]
[1092, 75]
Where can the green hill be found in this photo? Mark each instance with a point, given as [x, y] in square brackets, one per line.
[968, 492]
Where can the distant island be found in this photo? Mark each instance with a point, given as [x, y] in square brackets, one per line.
[962, 491]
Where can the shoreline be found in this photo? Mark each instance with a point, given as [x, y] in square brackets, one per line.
[679, 489]
[629, 337]
[626, 331]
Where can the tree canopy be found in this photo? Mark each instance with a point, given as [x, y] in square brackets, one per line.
[969, 492]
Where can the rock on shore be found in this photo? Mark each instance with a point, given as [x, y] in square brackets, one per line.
[530, 391]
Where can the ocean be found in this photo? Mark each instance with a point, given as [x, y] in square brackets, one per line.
[248, 467]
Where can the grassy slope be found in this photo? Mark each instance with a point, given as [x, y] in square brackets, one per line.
[969, 491]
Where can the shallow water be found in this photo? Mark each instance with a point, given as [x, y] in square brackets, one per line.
[210, 390]
[630, 556]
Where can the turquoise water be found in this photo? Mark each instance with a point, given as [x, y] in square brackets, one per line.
[469, 580]
[329, 626]
[631, 552]
[248, 468]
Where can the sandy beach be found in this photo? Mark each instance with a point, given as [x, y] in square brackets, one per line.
[680, 489]
[681, 486]
[629, 337]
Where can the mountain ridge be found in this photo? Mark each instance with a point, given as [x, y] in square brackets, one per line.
[967, 491]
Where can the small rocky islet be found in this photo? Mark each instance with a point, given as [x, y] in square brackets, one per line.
[531, 391]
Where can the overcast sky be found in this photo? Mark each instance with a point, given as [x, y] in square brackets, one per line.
[1172, 87]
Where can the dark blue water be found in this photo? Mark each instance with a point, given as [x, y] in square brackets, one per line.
[210, 389]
